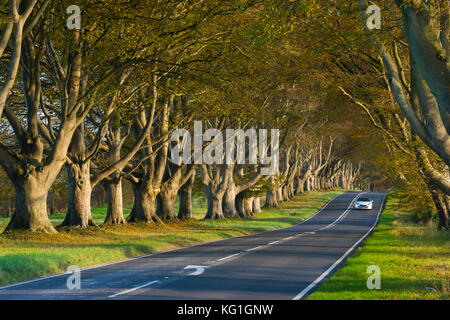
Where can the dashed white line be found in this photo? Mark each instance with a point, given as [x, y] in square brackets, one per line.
[334, 265]
[228, 257]
[133, 289]
[162, 252]
[255, 248]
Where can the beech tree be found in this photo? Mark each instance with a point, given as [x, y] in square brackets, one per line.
[32, 170]
[82, 179]
[22, 17]
[426, 30]
[59, 90]
[147, 175]
[104, 100]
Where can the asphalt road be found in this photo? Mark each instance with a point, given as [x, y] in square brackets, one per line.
[282, 264]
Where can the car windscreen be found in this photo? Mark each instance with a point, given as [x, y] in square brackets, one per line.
[364, 199]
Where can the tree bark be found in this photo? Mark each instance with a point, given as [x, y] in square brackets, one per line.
[185, 197]
[285, 192]
[215, 181]
[144, 207]
[166, 205]
[214, 200]
[79, 209]
[308, 184]
[51, 196]
[257, 205]
[240, 206]
[114, 198]
[248, 206]
[175, 178]
[299, 186]
[271, 199]
[31, 207]
[279, 192]
[232, 190]
[441, 207]
[229, 200]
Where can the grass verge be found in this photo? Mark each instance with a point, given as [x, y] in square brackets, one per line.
[25, 255]
[414, 261]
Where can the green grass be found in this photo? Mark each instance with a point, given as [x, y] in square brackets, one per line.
[411, 258]
[25, 255]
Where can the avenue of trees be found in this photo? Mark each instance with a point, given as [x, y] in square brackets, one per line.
[95, 108]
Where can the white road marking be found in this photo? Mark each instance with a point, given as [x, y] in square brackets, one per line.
[158, 253]
[334, 265]
[133, 289]
[228, 257]
[255, 248]
[343, 215]
[198, 269]
[274, 242]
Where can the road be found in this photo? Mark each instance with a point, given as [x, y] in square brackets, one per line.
[282, 264]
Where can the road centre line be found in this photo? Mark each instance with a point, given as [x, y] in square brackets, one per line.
[255, 248]
[230, 256]
[341, 217]
[153, 253]
[236, 254]
[133, 289]
[334, 265]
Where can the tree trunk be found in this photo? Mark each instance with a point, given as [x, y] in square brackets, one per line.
[271, 199]
[316, 183]
[31, 207]
[144, 209]
[308, 184]
[51, 196]
[257, 205]
[248, 206]
[166, 205]
[174, 180]
[229, 201]
[279, 191]
[114, 198]
[11, 207]
[285, 192]
[300, 186]
[291, 189]
[79, 208]
[240, 206]
[185, 197]
[214, 205]
[441, 207]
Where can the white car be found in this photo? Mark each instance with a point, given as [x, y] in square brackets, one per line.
[363, 203]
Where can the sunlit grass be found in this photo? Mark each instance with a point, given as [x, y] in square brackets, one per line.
[414, 262]
[25, 255]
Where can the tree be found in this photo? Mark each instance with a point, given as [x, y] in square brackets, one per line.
[59, 91]
[21, 18]
[430, 70]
